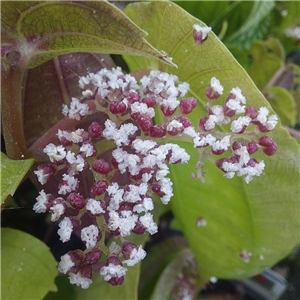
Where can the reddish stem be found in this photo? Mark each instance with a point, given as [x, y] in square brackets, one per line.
[13, 78]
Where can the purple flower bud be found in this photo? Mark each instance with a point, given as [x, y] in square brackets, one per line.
[99, 187]
[138, 228]
[127, 248]
[117, 107]
[268, 146]
[149, 101]
[86, 271]
[133, 97]
[252, 147]
[93, 256]
[95, 130]
[167, 111]
[144, 122]
[76, 222]
[186, 122]
[101, 166]
[76, 201]
[158, 131]
[187, 105]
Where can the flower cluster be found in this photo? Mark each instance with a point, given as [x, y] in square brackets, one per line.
[134, 166]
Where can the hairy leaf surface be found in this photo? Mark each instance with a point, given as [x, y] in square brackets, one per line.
[43, 30]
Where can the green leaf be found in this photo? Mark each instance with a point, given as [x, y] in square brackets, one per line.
[28, 267]
[283, 103]
[261, 217]
[255, 27]
[167, 281]
[12, 174]
[40, 31]
[157, 259]
[265, 64]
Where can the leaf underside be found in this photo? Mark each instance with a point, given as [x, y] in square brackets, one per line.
[43, 30]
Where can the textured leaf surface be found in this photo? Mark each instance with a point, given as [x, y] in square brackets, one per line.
[53, 84]
[43, 30]
[28, 268]
[12, 173]
[262, 217]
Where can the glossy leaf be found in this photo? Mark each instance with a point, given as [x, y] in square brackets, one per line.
[12, 174]
[40, 31]
[261, 217]
[28, 267]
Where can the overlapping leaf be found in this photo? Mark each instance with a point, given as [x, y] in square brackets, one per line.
[43, 30]
[262, 217]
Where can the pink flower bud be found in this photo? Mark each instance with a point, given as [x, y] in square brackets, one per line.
[167, 111]
[187, 105]
[252, 147]
[139, 228]
[149, 101]
[99, 187]
[117, 107]
[251, 112]
[133, 97]
[144, 122]
[158, 131]
[95, 130]
[76, 201]
[201, 123]
[186, 122]
[86, 271]
[101, 166]
[93, 256]
[127, 248]
[268, 146]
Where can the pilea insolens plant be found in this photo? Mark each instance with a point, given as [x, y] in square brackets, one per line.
[201, 137]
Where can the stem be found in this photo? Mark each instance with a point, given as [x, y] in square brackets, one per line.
[13, 85]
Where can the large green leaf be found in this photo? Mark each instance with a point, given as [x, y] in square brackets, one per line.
[12, 174]
[28, 268]
[262, 217]
[40, 31]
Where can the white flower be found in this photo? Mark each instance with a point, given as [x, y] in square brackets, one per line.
[65, 264]
[77, 279]
[204, 30]
[90, 236]
[55, 153]
[57, 211]
[111, 271]
[121, 135]
[40, 205]
[124, 223]
[77, 109]
[148, 223]
[238, 95]
[136, 256]
[65, 229]
[238, 124]
[94, 207]
[216, 85]
[114, 249]
[76, 162]
[69, 184]
[142, 108]
[42, 178]
[87, 149]
[74, 136]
